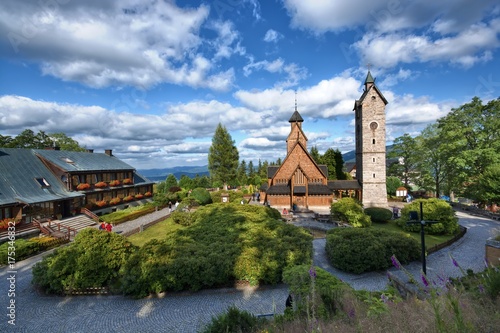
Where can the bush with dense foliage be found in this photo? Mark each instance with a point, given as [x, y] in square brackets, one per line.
[234, 196]
[22, 248]
[94, 259]
[349, 210]
[378, 214]
[224, 243]
[233, 320]
[364, 250]
[328, 288]
[434, 210]
[201, 195]
[128, 214]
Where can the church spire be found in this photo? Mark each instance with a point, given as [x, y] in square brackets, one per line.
[296, 118]
[369, 81]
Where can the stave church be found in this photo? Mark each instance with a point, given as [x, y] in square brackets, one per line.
[300, 183]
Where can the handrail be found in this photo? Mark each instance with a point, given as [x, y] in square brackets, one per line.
[90, 214]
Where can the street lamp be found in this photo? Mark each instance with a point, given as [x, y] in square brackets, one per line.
[414, 220]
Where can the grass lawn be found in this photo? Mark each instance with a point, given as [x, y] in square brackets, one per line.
[430, 240]
[158, 231]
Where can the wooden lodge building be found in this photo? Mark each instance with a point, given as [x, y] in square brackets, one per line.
[299, 182]
[38, 183]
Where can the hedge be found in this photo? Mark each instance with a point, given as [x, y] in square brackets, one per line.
[434, 210]
[350, 211]
[364, 250]
[378, 214]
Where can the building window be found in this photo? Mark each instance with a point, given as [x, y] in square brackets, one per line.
[373, 141]
[373, 175]
[373, 159]
[43, 182]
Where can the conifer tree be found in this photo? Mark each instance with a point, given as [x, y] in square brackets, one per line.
[223, 157]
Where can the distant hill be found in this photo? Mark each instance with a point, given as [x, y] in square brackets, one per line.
[178, 172]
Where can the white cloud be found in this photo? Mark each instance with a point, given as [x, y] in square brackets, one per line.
[465, 48]
[133, 43]
[272, 36]
[294, 73]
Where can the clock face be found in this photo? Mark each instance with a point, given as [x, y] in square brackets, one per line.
[373, 125]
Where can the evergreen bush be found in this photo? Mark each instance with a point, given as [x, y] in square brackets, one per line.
[201, 195]
[349, 210]
[378, 214]
[364, 250]
[434, 210]
[233, 320]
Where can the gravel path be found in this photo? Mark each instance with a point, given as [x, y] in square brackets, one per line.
[188, 312]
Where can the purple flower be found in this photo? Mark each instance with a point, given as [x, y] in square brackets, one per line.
[395, 262]
[384, 298]
[481, 289]
[455, 263]
[424, 280]
[352, 313]
[312, 272]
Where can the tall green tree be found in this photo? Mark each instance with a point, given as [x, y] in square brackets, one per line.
[406, 168]
[315, 154]
[64, 142]
[328, 159]
[242, 173]
[339, 165]
[186, 182]
[251, 170]
[170, 182]
[223, 157]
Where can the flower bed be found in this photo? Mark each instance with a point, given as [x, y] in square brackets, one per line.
[128, 198]
[102, 203]
[101, 185]
[4, 224]
[83, 186]
[114, 183]
[115, 201]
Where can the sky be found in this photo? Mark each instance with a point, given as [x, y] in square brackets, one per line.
[152, 79]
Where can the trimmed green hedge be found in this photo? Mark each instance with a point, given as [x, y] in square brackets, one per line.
[364, 250]
[378, 214]
[350, 211]
[434, 210]
[128, 214]
[23, 248]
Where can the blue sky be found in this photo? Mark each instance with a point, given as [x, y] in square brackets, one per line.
[152, 79]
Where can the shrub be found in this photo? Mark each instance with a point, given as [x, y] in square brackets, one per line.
[22, 248]
[224, 243]
[350, 211]
[378, 214]
[233, 320]
[363, 250]
[328, 287]
[201, 195]
[434, 210]
[234, 196]
[182, 218]
[94, 259]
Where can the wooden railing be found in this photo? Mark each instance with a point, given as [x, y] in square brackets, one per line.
[44, 230]
[90, 214]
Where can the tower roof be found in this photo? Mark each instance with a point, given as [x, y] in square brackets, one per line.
[369, 78]
[296, 118]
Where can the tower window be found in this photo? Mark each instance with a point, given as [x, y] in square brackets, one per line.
[373, 141]
[373, 159]
[373, 175]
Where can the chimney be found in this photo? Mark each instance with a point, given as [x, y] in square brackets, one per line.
[90, 151]
[108, 152]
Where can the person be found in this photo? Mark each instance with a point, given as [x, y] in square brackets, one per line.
[395, 212]
[109, 227]
[102, 226]
[285, 212]
[170, 206]
[242, 201]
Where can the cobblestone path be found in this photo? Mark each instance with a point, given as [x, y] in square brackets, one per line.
[189, 312]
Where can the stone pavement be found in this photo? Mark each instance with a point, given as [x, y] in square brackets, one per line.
[189, 312]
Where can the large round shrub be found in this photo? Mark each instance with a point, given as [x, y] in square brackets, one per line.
[201, 195]
[350, 211]
[434, 210]
[363, 250]
[94, 259]
[378, 214]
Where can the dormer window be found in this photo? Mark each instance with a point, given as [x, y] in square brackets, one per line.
[43, 182]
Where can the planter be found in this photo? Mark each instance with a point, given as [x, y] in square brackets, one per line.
[101, 185]
[83, 187]
[114, 183]
[493, 252]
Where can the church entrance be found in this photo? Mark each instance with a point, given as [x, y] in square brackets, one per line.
[299, 202]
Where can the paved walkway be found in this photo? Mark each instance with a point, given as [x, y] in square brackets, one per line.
[189, 312]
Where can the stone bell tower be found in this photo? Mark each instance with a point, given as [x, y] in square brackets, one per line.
[370, 145]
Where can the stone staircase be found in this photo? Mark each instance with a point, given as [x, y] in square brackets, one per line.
[69, 227]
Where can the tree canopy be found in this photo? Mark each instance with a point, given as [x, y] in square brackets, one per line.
[40, 140]
[223, 157]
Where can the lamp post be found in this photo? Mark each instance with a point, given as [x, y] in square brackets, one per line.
[414, 220]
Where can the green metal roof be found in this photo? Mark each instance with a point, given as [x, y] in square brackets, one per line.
[72, 161]
[23, 177]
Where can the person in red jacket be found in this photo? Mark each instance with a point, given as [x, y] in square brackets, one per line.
[102, 226]
[109, 227]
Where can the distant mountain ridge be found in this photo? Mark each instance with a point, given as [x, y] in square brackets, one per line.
[178, 172]
[192, 171]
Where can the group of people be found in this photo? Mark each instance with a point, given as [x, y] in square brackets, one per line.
[106, 226]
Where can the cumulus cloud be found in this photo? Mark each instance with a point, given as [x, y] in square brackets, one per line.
[294, 73]
[136, 43]
[272, 36]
